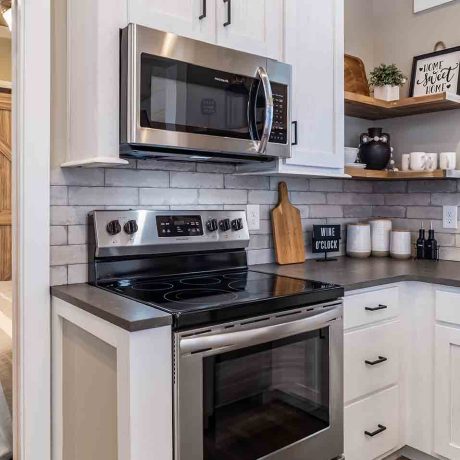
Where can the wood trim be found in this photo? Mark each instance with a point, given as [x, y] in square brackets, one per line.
[5, 101]
[5, 150]
[5, 218]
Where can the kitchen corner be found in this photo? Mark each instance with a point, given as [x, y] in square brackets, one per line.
[355, 274]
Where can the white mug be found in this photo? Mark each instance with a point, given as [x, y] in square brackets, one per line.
[405, 162]
[448, 160]
[418, 161]
[431, 161]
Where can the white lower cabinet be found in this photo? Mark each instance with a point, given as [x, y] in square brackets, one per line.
[402, 371]
[447, 391]
[371, 359]
[372, 425]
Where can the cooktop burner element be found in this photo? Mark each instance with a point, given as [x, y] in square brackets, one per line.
[199, 277]
[202, 297]
[201, 281]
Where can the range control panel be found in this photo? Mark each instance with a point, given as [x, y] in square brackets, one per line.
[168, 226]
[146, 231]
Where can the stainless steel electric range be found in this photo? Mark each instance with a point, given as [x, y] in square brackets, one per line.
[258, 358]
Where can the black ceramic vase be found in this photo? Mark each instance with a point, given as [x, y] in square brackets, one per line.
[375, 149]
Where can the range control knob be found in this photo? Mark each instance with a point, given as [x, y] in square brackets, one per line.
[225, 225]
[131, 227]
[212, 225]
[237, 224]
[113, 227]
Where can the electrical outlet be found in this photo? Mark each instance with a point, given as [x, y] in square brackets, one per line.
[450, 216]
[253, 215]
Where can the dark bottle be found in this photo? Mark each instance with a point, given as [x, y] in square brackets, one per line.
[431, 245]
[420, 245]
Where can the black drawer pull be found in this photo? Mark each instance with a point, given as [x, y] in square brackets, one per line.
[203, 14]
[380, 307]
[229, 12]
[381, 359]
[376, 432]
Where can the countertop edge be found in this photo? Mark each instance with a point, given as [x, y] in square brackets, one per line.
[159, 320]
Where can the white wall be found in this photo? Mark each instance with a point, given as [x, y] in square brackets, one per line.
[359, 25]
[397, 36]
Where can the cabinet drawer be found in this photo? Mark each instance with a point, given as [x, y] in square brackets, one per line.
[371, 359]
[448, 306]
[370, 307]
[372, 414]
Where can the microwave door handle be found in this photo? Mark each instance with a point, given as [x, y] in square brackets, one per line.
[258, 335]
[267, 87]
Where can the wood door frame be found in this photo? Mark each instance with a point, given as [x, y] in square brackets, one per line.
[31, 207]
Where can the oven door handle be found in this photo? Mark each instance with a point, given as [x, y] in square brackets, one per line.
[268, 123]
[258, 335]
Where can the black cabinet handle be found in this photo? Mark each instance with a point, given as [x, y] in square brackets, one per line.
[380, 307]
[229, 12]
[294, 142]
[376, 432]
[203, 14]
[381, 359]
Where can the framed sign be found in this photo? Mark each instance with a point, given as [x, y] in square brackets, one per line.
[326, 239]
[421, 5]
[436, 72]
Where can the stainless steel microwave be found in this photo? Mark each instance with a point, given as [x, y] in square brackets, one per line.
[186, 99]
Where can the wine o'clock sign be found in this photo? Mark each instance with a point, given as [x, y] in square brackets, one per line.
[326, 239]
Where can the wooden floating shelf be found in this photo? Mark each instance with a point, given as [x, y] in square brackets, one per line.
[369, 108]
[370, 174]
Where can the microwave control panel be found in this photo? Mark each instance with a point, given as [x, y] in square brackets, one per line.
[280, 114]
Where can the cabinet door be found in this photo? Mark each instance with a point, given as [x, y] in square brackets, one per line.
[254, 26]
[314, 47]
[447, 392]
[191, 18]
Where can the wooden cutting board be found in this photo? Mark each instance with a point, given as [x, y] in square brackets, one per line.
[355, 76]
[287, 230]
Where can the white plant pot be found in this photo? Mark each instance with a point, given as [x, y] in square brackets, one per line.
[387, 92]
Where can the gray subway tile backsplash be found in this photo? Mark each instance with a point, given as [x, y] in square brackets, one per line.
[156, 184]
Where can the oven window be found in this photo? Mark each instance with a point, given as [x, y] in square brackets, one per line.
[176, 96]
[266, 397]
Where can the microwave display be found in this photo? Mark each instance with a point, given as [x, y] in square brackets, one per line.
[182, 97]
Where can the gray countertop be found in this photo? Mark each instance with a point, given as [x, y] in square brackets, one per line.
[361, 273]
[116, 309]
[350, 273]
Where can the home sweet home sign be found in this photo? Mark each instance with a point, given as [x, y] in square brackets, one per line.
[436, 72]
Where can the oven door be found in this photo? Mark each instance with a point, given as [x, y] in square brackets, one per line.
[183, 94]
[270, 388]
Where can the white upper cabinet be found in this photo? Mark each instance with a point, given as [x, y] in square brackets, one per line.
[191, 18]
[254, 26]
[91, 71]
[314, 47]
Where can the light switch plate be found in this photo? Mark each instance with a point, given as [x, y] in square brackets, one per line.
[450, 217]
[253, 215]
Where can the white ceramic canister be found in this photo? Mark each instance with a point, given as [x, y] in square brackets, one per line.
[400, 244]
[380, 237]
[359, 240]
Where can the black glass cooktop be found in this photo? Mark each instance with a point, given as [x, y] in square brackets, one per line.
[215, 296]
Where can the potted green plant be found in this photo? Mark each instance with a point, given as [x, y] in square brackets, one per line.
[386, 80]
